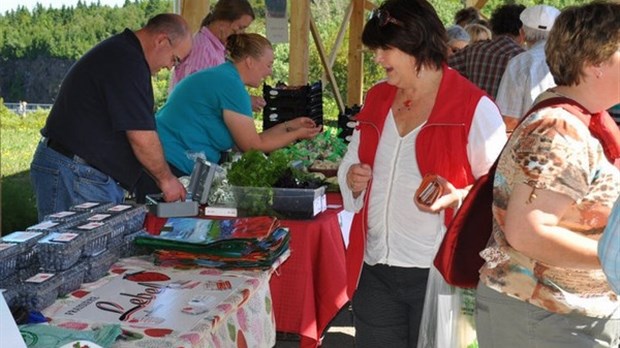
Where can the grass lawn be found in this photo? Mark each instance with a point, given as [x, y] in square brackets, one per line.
[18, 139]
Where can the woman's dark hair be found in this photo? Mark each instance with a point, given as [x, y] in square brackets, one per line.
[414, 28]
[466, 16]
[229, 11]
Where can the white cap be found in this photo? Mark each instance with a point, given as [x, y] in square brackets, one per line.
[539, 17]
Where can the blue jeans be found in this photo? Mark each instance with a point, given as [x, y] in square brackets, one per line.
[60, 182]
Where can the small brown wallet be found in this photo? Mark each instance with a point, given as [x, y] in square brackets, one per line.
[430, 189]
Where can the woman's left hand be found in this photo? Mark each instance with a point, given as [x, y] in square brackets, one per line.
[451, 198]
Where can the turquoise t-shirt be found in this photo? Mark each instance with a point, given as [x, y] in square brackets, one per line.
[191, 121]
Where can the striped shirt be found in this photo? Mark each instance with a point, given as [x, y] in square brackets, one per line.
[207, 51]
[484, 62]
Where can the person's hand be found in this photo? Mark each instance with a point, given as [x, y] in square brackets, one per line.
[302, 122]
[258, 103]
[451, 198]
[358, 177]
[304, 127]
[172, 189]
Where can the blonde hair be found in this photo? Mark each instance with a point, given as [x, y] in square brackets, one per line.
[244, 45]
[477, 32]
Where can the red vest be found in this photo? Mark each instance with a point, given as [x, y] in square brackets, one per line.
[441, 147]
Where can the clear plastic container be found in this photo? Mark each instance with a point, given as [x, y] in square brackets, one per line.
[68, 216]
[60, 250]
[285, 203]
[11, 296]
[40, 291]
[129, 248]
[96, 234]
[28, 240]
[91, 206]
[71, 279]
[129, 215]
[97, 266]
[8, 258]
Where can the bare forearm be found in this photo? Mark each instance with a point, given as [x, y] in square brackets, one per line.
[561, 247]
[147, 148]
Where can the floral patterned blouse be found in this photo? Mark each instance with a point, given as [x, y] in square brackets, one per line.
[553, 150]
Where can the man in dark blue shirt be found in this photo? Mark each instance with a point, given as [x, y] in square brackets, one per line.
[100, 134]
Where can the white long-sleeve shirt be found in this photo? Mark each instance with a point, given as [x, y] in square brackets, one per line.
[399, 234]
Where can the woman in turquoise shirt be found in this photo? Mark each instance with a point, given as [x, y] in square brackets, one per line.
[210, 111]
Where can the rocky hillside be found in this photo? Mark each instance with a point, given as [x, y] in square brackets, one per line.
[34, 80]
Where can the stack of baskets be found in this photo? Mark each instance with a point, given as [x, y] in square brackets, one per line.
[285, 103]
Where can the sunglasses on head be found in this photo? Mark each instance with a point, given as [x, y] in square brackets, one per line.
[384, 17]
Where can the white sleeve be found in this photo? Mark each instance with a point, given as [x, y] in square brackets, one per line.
[350, 158]
[510, 92]
[487, 137]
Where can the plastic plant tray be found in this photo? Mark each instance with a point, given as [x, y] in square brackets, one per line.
[28, 241]
[71, 279]
[130, 216]
[96, 234]
[92, 206]
[8, 258]
[60, 250]
[129, 248]
[68, 216]
[98, 265]
[40, 291]
[11, 296]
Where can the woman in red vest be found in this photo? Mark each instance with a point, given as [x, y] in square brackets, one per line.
[424, 118]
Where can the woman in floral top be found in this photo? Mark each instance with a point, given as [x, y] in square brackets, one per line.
[542, 284]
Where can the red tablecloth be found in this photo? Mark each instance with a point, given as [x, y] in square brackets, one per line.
[309, 289]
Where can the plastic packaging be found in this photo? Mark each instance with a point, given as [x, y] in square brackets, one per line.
[68, 216]
[71, 279]
[28, 240]
[60, 250]
[92, 206]
[98, 265]
[8, 258]
[40, 291]
[96, 234]
[129, 248]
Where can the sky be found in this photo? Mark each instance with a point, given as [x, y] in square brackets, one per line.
[7, 5]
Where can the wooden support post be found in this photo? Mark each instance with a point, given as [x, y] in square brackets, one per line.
[299, 45]
[355, 80]
[193, 11]
[339, 38]
[328, 69]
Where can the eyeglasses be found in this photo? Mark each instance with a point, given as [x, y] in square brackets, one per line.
[176, 61]
[384, 17]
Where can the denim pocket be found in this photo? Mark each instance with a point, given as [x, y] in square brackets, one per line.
[94, 185]
[44, 181]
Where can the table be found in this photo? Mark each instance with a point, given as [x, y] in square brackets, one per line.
[243, 319]
[309, 289]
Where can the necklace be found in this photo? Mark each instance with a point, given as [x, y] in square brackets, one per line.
[406, 105]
